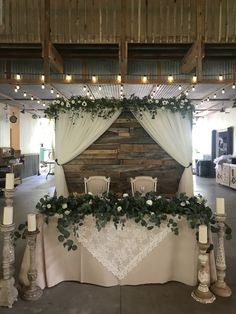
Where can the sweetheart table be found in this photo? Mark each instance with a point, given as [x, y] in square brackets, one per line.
[131, 255]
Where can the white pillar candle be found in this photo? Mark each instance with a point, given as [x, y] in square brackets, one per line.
[8, 215]
[31, 222]
[9, 184]
[203, 234]
[220, 206]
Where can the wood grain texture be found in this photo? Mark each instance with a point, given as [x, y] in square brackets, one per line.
[121, 158]
[104, 21]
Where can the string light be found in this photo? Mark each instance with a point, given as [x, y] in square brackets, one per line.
[52, 91]
[170, 78]
[214, 96]
[194, 78]
[38, 101]
[118, 78]
[233, 86]
[17, 86]
[16, 90]
[58, 95]
[43, 77]
[24, 94]
[208, 99]
[100, 87]
[44, 104]
[43, 86]
[94, 79]
[186, 93]
[32, 98]
[144, 79]
[68, 77]
[121, 87]
[180, 87]
[193, 88]
[220, 77]
[84, 88]
[223, 91]
[88, 93]
[18, 76]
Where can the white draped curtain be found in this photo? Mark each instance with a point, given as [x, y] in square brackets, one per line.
[71, 139]
[174, 134]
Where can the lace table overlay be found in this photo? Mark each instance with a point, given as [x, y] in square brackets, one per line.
[120, 250]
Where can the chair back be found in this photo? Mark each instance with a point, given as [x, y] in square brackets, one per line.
[143, 184]
[97, 184]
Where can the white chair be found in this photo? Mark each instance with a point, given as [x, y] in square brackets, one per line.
[97, 184]
[143, 184]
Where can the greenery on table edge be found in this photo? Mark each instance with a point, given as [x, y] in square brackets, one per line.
[149, 211]
[105, 108]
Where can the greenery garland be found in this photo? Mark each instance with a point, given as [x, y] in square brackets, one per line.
[105, 108]
[148, 211]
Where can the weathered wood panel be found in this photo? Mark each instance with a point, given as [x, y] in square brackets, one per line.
[122, 158]
[100, 21]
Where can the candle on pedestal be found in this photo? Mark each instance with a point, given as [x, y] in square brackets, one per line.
[9, 184]
[31, 222]
[203, 234]
[8, 215]
[220, 206]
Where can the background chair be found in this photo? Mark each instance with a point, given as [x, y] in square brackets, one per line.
[143, 184]
[97, 184]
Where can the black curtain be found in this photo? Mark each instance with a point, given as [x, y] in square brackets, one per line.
[213, 145]
[230, 140]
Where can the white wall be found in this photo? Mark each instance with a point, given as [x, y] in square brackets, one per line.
[4, 127]
[34, 132]
[204, 126]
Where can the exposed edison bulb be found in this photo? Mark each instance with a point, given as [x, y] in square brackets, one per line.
[208, 99]
[170, 78]
[42, 77]
[194, 78]
[84, 88]
[58, 95]
[94, 78]
[223, 91]
[18, 76]
[16, 90]
[220, 77]
[100, 87]
[38, 101]
[186, 93]
[144, 79]
[118, 78]
[214, 95]
[88, 93]
[193, 88]
[121, 87]
[52, 91]
[68, 77]
[233, 86]
[17, 86]
[24, 94]
[31, 98]
[43, 86]
[44, 104]
[158, 86]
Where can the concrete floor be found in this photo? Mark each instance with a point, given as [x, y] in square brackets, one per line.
[75, 298]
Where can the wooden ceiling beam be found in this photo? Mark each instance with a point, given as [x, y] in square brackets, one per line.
[51, 57]
[193, 58]
[123, 44]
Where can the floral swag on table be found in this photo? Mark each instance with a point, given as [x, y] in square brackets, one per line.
[149, 211]
[105, 107]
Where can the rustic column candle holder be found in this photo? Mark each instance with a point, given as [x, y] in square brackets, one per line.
[220, 287]
[8, 292]
[32, 292]
[202, 294]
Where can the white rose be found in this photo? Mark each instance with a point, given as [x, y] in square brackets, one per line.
[64, 206]
[49, 206]
[58, 101]
[84, 104]
[158, 197]
[149, 202]
[62, 103]
[73, 102]
[67, 212]
[119, 208]
[182, 203]
[125, 195]
[68, 105]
